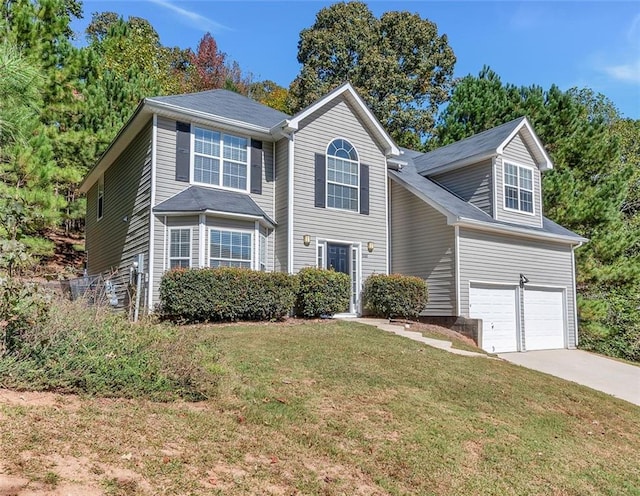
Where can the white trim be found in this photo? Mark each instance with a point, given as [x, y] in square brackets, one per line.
[387, 234]
[225, 215]
[547, 164]
[494, 186]
[152, 218]
[504, 185]
[164, 246]
[574, 292]
[456, 261]
[290, 166]
[521, 231]
[202, 240]
[179, 113]
[389, 146]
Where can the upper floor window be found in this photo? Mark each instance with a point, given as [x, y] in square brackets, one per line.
[230, 248]
[342, 175]
[518, 188]
[100, 205]
[220, 159]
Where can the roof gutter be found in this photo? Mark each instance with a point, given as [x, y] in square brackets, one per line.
[265, 221]
[522, 232]
[169, 110]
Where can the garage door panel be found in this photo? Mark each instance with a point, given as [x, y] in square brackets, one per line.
[496, 306]
[544, 322]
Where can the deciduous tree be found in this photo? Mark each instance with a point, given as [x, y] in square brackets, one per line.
[398, 63]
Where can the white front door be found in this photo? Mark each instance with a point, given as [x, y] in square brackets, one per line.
[544, 319]
[497, 307]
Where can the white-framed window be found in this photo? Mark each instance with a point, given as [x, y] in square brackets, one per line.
[220, 159]
[343, 175]
[230, 248]
[263, 252]
[100, 205]
[179, 247]
[518, 188]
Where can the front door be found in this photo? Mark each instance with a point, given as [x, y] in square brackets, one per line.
[338, 258]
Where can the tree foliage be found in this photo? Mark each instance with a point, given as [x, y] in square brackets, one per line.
[590, 190]
[398, 63]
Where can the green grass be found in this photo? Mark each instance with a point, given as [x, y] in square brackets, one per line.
[332, 408]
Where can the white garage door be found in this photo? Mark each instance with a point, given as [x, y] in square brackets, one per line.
[496, 306]
[543, 319]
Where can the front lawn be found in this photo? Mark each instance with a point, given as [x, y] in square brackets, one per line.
[329, 408]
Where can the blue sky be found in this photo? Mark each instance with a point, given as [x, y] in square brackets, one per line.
[569, 43]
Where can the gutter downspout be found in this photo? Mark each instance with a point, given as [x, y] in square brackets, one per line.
[291, 158]
[152, 231]
[575, 292]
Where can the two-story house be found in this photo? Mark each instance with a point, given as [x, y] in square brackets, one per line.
[216, 179]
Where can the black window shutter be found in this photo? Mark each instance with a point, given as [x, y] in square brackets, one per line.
[183, 152]
[256, 167]
[364, 189]
[321, 180]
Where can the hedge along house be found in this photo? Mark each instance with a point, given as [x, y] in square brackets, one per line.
[216, 179]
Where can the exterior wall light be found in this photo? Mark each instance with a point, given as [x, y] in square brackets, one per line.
[370, 246]
[306, 239]
[523, 280]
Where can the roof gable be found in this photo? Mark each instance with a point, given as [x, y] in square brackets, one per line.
[481, 146]
[347, 92]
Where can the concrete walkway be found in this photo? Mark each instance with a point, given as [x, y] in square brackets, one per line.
[616, 378]
[401, 330]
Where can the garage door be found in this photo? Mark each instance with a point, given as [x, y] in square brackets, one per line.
[543, 319]
[496, 306]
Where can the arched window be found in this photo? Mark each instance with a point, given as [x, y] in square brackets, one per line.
[343, 178]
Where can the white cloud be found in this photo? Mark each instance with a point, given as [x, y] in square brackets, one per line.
[629, 73]
[196, 19]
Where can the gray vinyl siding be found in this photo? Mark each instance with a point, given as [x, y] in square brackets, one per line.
[423, 245]
[486, 257]
[167, 186]
[123, 232]
[472, 183]
[517, 153]
[337, 120]
[281, 242]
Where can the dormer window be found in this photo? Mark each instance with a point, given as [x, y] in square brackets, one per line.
[220, 159]
[343, 178]
[518, 188]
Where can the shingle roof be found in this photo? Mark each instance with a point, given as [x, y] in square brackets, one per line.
[448, 203]
[198, 199]
[477, 145]
[227, 104]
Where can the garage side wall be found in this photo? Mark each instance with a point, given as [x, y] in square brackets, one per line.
[494, 258]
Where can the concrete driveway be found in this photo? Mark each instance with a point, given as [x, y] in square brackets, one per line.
[604, 374]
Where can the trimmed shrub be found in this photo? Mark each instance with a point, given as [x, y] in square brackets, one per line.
[322, 292]
[225, 294]
[395, 295]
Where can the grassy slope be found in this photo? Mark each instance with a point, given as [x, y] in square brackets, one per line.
[341, 408]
